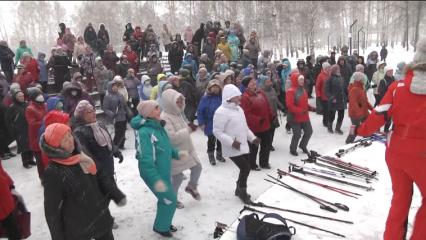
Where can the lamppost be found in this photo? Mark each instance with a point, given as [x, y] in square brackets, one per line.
[350, 35]
[358, 38]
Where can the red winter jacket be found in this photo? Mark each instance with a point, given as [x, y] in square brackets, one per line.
[408, 113]
[257, 110]
[358, 101]
[7, 203]
[132, 57]
[34, 114]
[301, 108]
[33, 68]
[24, 79]
[320, 84]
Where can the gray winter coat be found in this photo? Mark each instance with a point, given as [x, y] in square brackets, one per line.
[102, 76]
[334, 89]
[178, 131]
[114, 105]
[131, 85]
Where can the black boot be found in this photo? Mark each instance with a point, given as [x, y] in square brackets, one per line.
[338, 126]
[304, 150]
[330, 127]
[350, 138]
[219, 157]
[237, 191]
[242, 194]
[167, 234]
[211, 158]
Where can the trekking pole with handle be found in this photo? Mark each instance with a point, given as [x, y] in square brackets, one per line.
[294, 168]
[246, 208]
[260, 204]
[323, 203]
[335, 189]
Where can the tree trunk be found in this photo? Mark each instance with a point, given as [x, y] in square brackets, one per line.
[405, 41]
[418, 17]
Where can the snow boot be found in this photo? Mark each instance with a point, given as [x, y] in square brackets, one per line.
[243, 195]
[211, 158]
[237, 191]
[350, 138]
[294, 153]
[330, 127]
[338, 126]
[219, 157]
[304, 150]
[179, 205]
[194, 192]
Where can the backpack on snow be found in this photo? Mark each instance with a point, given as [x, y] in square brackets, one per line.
[253, 228]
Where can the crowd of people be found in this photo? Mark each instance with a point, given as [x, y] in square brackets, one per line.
[218, 82]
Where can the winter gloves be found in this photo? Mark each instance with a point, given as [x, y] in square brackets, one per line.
[236, 144]
[160, 186]
[118, 155]
[256, 141]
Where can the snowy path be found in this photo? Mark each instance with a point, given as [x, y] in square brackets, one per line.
[217, 186]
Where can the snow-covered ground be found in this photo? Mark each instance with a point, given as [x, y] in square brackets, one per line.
[217, 185]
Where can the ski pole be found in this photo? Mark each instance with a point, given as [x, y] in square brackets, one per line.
[322, 205]
[343, 173]
[317, 199]
[293, 221]
[335, 189]
[300, 170]
[316, 154]
[336, 172]
[344, 165]
[260, 204]
[364, 143]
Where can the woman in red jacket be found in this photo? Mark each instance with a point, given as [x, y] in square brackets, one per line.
[358, 103]
[405, 103]
[298, 107]
[34, 114]
[259, 117]
[320, 91]
[132, 56]
[7, 205]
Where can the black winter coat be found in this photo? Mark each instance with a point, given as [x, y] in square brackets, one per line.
[191, 95]
[17, 125]
[90, 37]
[74, 207]
[5, 137]
[334, 91]
[6, 55]
[384, 85]
[60, 66]
[103, 158]
[345, 73]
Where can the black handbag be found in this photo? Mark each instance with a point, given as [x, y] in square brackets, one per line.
[253, 228]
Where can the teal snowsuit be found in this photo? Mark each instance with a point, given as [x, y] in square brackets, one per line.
[155, 154]
[233, 42]
[20, 51]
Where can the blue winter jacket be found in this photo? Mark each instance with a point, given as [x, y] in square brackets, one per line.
[285, 73]
[43, 76]
[206, 109]
[188, 60]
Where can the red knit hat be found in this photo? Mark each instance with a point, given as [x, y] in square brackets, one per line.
[54, 134]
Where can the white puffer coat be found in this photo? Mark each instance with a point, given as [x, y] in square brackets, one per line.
[178, 131]
[229, 123]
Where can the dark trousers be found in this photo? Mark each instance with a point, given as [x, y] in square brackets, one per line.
[297, 133]
[11, 226]
[212, 142]
[135, 102]
[40, 166]
[332, 116]
[282, 100]
[107, 236]
[356, 122]
[254, 62]
[101, 98]
[120, 133]
[243, 164]
[325, 112]
[26, 157]
[265, 148]
[377, 98]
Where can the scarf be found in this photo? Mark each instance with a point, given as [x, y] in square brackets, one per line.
[86, 163]
[101, 135]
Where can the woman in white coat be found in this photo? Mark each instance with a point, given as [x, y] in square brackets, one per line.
[179, 133]
[230, 127]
